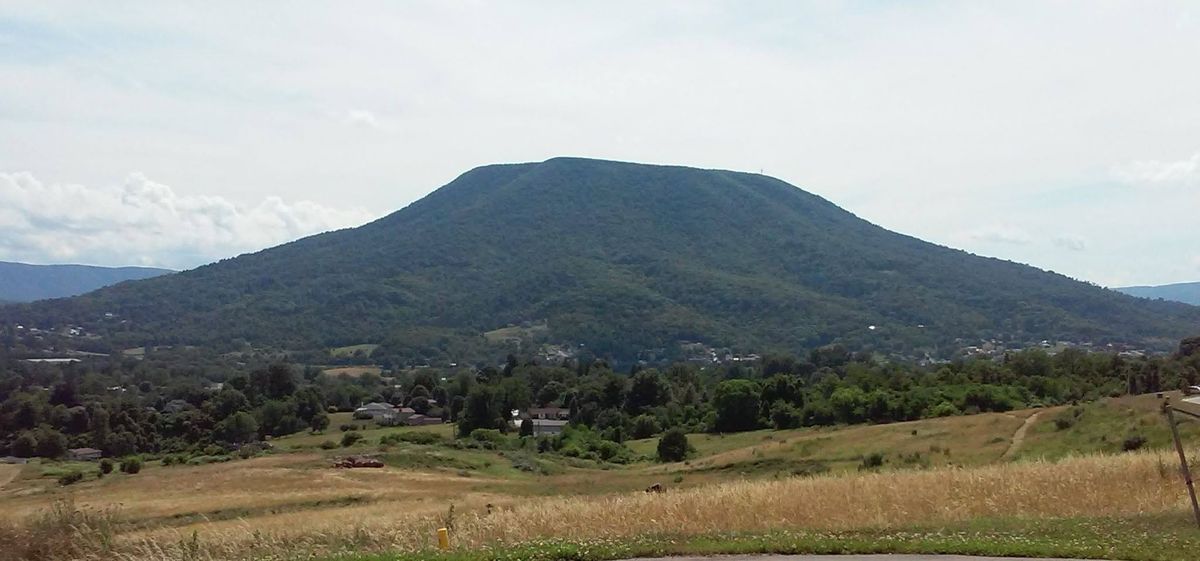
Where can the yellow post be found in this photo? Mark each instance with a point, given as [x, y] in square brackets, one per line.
[443, 539]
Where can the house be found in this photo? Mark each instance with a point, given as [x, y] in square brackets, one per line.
[396, 417]
[418, 420]
[551, 413]
[544, 427]
[176, 406]
[83, 454]
[13, 460]
[375, 410]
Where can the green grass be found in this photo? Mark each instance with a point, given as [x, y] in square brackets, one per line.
[372, 434]
[1166, 537]
[349, 350]
[1103, 426]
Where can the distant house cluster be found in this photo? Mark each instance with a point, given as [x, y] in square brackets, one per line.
[545, 420]
[390, 415]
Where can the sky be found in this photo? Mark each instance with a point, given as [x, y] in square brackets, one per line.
[1065, 135]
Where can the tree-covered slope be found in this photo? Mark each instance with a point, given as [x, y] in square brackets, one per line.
[21, 282]
[1186, 292]
[619, 257]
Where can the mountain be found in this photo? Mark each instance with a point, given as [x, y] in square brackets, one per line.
[1186, 292]
[21, 282]
[619, 258]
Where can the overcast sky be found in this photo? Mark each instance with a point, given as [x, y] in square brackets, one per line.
[1063, 135]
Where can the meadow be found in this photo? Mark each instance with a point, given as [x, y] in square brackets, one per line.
[953, 484]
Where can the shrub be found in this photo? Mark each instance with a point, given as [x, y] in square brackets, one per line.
[131, 465]
[491, 437]
[168, 460]
[944, 409]
[248, 451]
[69, 478]
[106, 466]
[673, 446]
[418, 437]
[346, 427]
[350, 438]
[873, 460]
[785, 416]
[1133, 442]
[329, 445]
[1064, 422]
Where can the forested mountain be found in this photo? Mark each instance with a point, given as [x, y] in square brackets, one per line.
[1186, 292]
[21, 282]
[618, 257]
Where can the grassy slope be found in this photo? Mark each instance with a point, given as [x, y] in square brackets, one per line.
[294, 490]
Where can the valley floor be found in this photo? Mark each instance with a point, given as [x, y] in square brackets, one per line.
[1002, 483]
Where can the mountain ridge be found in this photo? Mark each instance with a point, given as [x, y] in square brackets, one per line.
[1186, 292]
[621, 258]
[25, 282]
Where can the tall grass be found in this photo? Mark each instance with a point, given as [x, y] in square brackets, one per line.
[61, 532]
[1131, 484]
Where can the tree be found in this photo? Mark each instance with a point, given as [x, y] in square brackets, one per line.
[736, 403]
[319, 422]
[526, 428]
[480, 412]
[227, 402]
[237, 428]
[25, 445]
[420, 404]
[784, 416]
[51, 443]
[645, 426]
[649, 388]
[673, 446]
[781, 387]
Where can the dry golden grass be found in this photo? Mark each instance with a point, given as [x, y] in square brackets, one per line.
[1132, 484]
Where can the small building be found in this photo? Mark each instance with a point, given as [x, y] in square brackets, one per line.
[550, 413]
[396, 417]
[13, 460]
[545, 427]
[419, 420]
[375, 410]
[84, 454]
[176, 406]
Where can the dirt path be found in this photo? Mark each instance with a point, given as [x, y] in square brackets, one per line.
[8, 472]
[1018, 437]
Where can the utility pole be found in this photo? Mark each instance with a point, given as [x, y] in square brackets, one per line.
[1187, 473]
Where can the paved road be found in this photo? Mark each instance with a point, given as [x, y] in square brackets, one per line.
[848, 558]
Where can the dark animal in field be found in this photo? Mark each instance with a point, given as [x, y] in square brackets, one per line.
[656, 488]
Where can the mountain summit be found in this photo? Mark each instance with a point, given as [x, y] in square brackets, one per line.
[619, 257]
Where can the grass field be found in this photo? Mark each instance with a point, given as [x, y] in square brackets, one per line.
[943, 487]
[350, 350]
[353, 371]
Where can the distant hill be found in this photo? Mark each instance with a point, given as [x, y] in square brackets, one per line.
[620, 258]
[1186, 292]
[21, 282]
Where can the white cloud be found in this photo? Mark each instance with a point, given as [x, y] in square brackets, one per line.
[1157, 172]
[142, 222]
[362, 117]
[1071, 242]
[1005, 234]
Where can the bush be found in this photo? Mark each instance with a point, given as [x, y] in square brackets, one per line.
[168, 460]
[69, 478]
[131, 465]
[1133, 442]
[491, 437]
[673, 446]
[785, 416]
[106, 466]
[944, 409]
[350, 438]
[329, 445]
[346, 428]
[248, 451]
[873, 460]
[418, 437]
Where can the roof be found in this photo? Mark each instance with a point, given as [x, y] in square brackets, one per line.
[549, 422]
[377, 406]
[84, 451]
